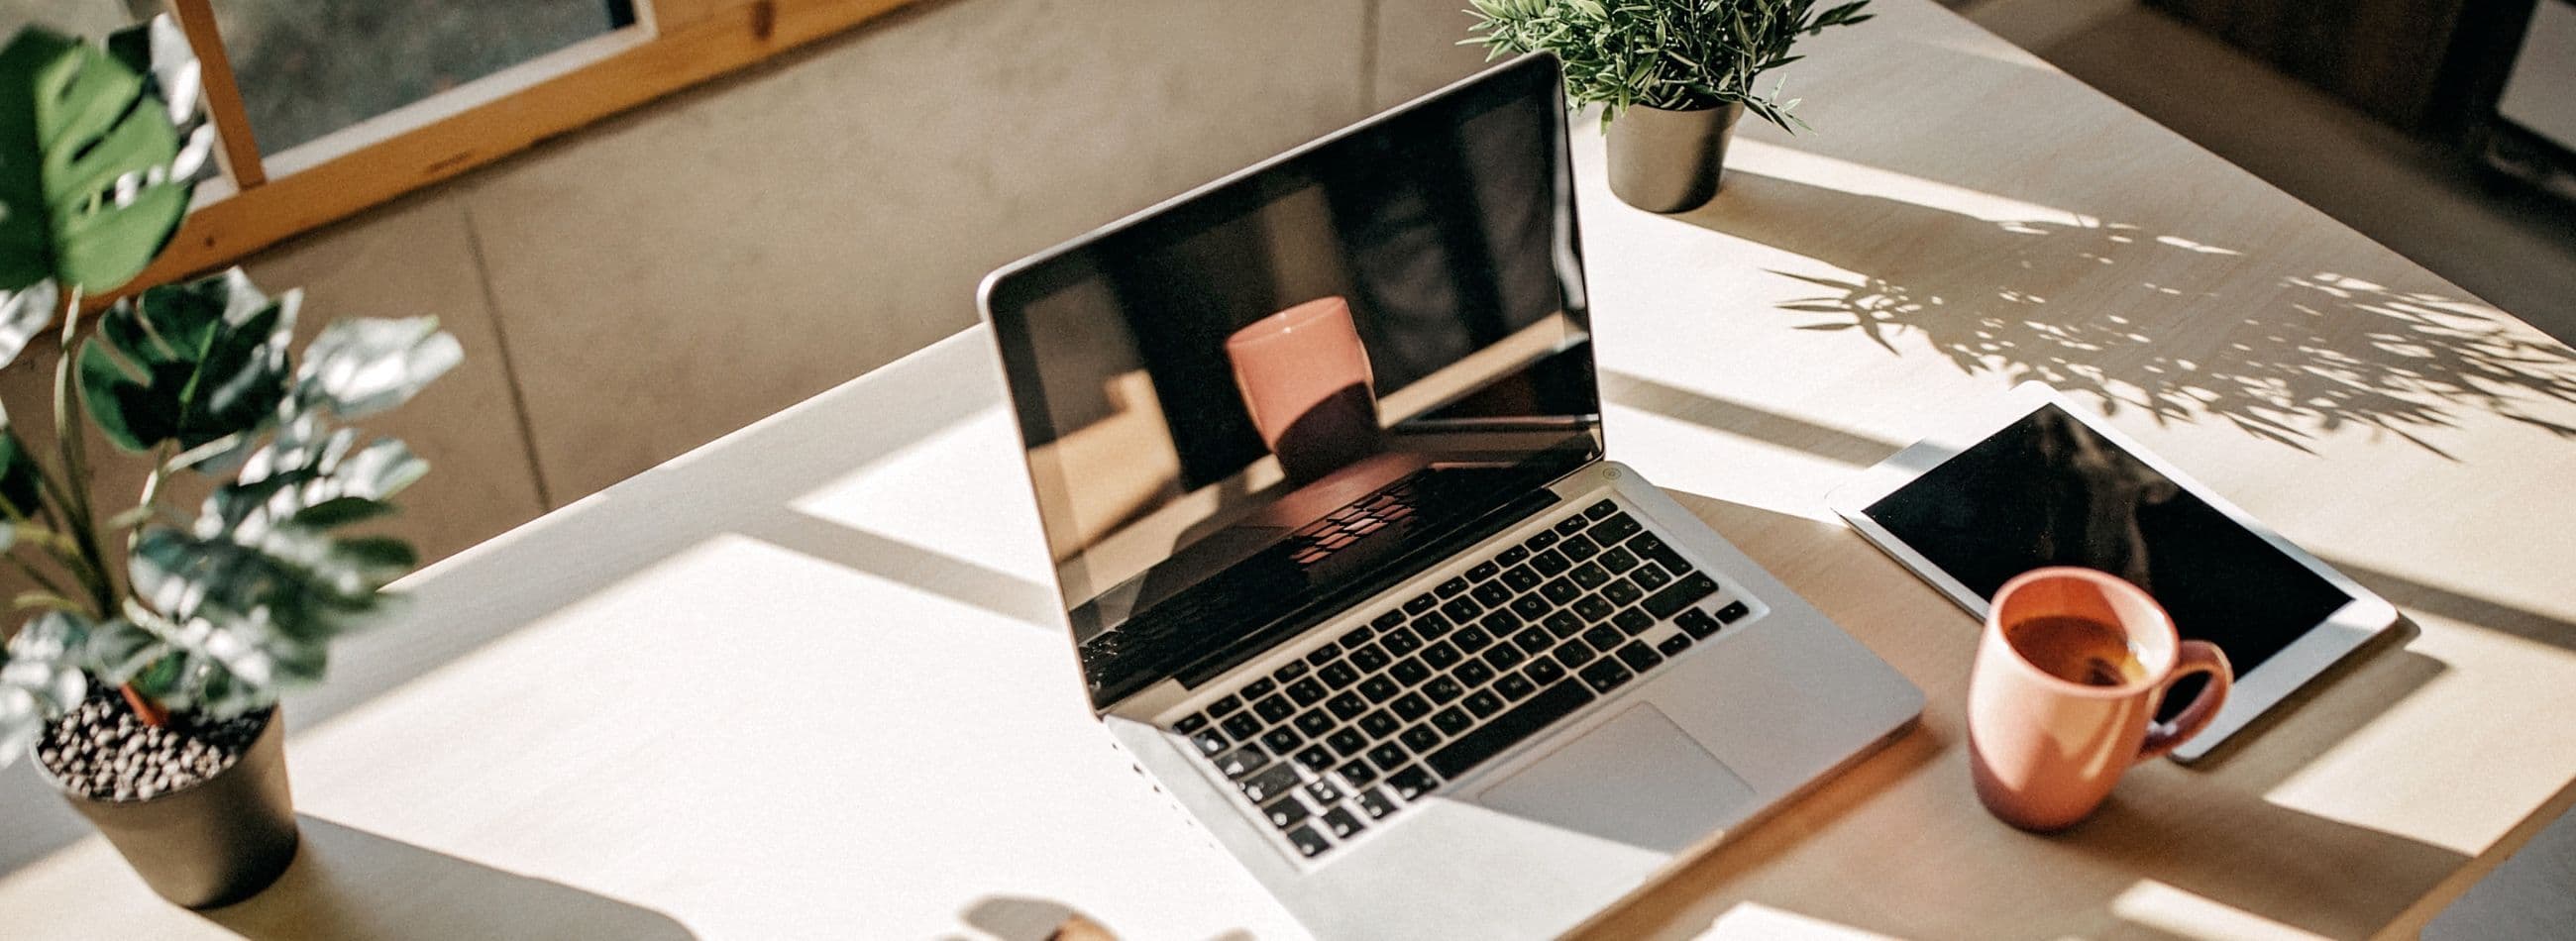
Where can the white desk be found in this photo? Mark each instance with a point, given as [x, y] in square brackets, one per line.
[802, 683]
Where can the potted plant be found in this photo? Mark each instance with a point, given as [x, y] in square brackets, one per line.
[1671, 76]
[146, 680]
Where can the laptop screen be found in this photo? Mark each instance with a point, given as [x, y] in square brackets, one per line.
[1253, 406]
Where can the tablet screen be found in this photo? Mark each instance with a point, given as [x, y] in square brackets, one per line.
[2050, 491]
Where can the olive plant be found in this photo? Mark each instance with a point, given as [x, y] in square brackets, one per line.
[204, 612]
[1679, 55]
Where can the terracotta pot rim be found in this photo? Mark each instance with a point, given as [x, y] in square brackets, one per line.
[1731, 105]
[268, 719]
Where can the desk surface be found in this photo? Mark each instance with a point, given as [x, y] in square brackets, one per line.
[801, 681]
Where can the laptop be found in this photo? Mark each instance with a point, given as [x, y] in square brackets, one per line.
[1319, 460]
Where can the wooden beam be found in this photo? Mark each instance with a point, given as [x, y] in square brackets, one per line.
[668, 15]
[724, 40]
[223, 94]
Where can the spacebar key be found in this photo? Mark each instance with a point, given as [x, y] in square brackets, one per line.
[1509, 728]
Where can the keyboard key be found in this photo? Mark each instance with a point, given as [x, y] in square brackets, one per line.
[1633, 621]
[1421, 738]
[1347, 741]
[1483, 703]
[1388, 620]
[1462, 609]
[1242, 726]
[1532, 606]
[1599, 510]
[1356, 773]
[1325, 793]
[1561, 591]
[1616, 528]
[1673, 645]
[1208, 741]
[1388, 756]
[1379, 689]
[1441, 656]
[1343, 823]
[1274, 708]
[1649, 577]
[1550, 563]
[1651, 546]
[1379, 724]
[1491, 594]
[1421, 604]
[1357, 636]
[1452, 588]
[1504, 657]
[1338, 674]
[1431, 626]
[1443, 690]
[1294, 669]
[1347, 706]
[1571, 525]
[1286, 812]
[1512, 556]
[1369, 658]
[1622, 592]
[1618, 560]
[1533, 640]
[1544, 671]
[1270, 782]
[1306, 692]
[1733, 612]
[1500, 624]
[1375, 804]
[1324, 654]
[1508, 729]
[1259, 688]
[1452, 720]
[1410, 706]
[1543, 540]
[1639, 657]
[1224, 706]
[1316, 758]
[1400, 642]
[1409, 671]
[1563, 624]
[1411, 783]
[1308, 842]
[1605, 675]
[1515, 686]
[1482, 571]
[1473, 673]
[1471, 639]
[1594, 608]
[1573, 654]
[1589, 575]
[1603, 637]
[1679, 595]
[1190, 723]
[1696, 623]
[1282, 740]
[1314, 722]
[1578, 548]
[1522, 578]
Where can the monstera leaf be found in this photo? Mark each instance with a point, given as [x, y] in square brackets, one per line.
[190, 363]
[362, 366]
[96, 162]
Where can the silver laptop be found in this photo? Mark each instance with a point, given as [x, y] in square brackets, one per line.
[1318, 452]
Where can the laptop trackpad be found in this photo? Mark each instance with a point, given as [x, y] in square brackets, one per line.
[1637, 779]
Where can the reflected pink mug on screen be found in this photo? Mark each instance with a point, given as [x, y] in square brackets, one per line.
[1306, 381]
[2069, 673]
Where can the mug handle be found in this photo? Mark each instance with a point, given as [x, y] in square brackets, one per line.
[2196, 656]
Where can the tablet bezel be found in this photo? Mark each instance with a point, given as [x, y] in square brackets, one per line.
[2363, 616]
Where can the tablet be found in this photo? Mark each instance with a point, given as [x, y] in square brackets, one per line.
[2039, 482]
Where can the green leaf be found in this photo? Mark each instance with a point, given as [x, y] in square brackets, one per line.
[190, 363]
[341, 511]
[100, 164]
[24, 314]
[362, 366]
[19, 479]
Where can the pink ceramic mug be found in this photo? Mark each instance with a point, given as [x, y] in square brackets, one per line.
[1306, 381]
[2069, 674]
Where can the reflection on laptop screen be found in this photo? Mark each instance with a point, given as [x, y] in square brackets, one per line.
[1281, 393]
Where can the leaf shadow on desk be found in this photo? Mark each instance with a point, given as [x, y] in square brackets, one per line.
[2046, 300]
[1903, 828]
[348, 884]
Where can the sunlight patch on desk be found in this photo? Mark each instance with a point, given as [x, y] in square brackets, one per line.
[2453, 790]
[1754, 921]
[1692, 458]
[2183, 914]
[1774, 160]
[962, 491]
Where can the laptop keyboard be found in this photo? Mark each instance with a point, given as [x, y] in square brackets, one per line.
[1362, 727]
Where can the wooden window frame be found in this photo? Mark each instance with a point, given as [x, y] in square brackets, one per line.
[674, 44]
